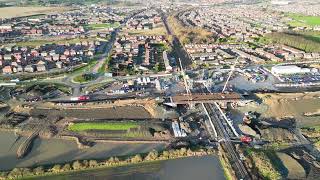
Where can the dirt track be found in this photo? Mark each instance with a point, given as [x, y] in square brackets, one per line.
[126, 112]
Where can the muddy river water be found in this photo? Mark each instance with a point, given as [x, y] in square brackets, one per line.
[50, 151]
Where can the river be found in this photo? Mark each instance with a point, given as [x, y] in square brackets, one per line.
[191, 168]
[51, 151]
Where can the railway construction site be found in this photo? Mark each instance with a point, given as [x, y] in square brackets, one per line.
[128, 120]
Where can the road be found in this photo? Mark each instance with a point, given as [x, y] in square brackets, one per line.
[101, 59]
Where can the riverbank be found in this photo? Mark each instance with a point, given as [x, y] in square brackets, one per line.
[92, 167]
[190, 168]
[48, 151]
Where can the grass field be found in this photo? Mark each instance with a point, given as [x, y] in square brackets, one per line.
[301, 20]
[10, 12]
[102, 126]
[308, 41]
[104, 25]
[83, 78]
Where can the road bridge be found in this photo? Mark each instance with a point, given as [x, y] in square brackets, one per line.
[204, 98]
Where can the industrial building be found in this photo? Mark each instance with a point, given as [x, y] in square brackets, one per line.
[290, 69]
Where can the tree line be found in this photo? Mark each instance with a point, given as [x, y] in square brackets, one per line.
[110, 162]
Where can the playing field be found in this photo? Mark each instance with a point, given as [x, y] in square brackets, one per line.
[102, 126]
[10, 12]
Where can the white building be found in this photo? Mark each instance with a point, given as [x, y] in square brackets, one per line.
[166, 62]
[290, 69]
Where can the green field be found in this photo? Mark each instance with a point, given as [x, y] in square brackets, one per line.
[302, 20]
[308, 41]
[104, 25]
[102, 126]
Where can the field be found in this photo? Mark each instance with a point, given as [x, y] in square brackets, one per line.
[308, 41]
[83, 78]
[102, 126]
[189, 35]
[102, 26]
[301, 20]
[10, 12]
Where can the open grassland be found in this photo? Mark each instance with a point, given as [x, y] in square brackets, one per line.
[308, 41]
[102, 126]
[302, 20]
[189, 35]
[10, 12]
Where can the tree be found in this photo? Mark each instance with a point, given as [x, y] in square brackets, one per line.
[153, 155]
[166, 154]
[137, 158]
[38, 170]
[66, 167]
[76, 165]
[112, 160]
[56, 168]
[183, 152]
[14, 173]
[189, 152]
[85, 163]
[93, 163]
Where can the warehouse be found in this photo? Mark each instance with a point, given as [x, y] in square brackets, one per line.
[291, 69]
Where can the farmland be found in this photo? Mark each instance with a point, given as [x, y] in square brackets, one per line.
[307, 41]
[301, 20]
[102, 126]
[10, 12]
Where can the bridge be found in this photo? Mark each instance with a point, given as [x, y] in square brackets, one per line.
[204, 98]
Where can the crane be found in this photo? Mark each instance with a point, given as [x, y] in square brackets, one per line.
[230, 74]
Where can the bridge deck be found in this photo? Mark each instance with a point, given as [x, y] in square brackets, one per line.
[203, 97]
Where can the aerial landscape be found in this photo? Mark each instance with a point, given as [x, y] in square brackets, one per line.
[160, 90]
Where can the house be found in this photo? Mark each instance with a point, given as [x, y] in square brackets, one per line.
[7, 70]
[59, 64]
[29, 68]
[7, 57]
[41, 67]
[19, 68]
[55, 57]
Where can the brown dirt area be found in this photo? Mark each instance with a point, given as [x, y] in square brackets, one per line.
[10, 12]
[281, 105]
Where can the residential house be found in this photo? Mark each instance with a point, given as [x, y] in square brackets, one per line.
[7, 70]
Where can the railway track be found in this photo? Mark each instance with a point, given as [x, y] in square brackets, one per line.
[237, 164]
[223, 132]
